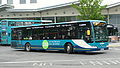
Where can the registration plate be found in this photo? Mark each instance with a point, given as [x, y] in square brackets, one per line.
[102, 49]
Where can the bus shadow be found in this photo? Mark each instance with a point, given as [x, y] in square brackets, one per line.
[62, 52]
[89, 53]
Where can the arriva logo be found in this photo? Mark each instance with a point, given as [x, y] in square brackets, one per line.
[45, 44]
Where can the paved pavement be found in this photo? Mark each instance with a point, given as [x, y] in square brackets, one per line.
[114, 44]
[12, 58]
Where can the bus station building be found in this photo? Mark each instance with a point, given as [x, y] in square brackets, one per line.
[56, 13]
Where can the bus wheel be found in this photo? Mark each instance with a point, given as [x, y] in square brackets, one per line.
[28, 47]
[69, 48]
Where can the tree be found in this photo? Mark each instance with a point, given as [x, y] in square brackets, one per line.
[90, 9]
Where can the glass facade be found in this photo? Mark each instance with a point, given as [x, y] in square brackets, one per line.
[22, 1]
[66, 18]
[9, 1]
[0, 1]
[115, 20]
[33, 1]
[61, 19]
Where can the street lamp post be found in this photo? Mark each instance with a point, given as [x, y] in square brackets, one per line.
[108, 16]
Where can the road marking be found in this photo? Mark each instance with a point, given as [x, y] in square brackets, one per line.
[36, 64]
[81, 63]
[113, 62]
[51, 64]
[38, 61]
[92, 62]
[42, 64]
[117, 61]
[106, 62]
[22, 62]
[99, 63]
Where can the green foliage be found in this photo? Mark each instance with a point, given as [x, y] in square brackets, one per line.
[90, 9]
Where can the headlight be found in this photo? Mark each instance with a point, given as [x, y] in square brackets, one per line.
[93, 46]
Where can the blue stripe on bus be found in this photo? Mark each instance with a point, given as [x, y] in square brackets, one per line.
[37, 44]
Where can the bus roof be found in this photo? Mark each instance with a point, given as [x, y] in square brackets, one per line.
[58, 23]
[28, 20]
[90, 21]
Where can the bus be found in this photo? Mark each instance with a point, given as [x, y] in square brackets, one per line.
[112, 33]
[85, 35]
[5, 28]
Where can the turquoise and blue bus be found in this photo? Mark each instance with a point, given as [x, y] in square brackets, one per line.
[86, 35]
[5, 28]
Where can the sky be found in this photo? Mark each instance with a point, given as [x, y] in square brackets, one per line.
[57, 2]
[47, 3]
[65, 1]
[108, 2]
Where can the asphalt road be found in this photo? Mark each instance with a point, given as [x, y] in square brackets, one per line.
[13, 58]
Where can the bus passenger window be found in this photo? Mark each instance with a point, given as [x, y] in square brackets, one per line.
[54, 37]
[30, 38]
[88, 32]
[47, 37]
[43, 37]
[63, 36]
[4, 33]
[8, 34]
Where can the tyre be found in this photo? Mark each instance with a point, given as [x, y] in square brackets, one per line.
[69, 48]
[28, 47]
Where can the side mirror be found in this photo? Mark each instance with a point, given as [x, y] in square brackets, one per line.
[88, 32]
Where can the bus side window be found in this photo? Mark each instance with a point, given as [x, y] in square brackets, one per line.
[4, 33]
[63, 36]
[47, 37]
[8, 34]
[54, 37]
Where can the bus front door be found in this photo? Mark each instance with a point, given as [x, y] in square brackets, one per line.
[19, 43]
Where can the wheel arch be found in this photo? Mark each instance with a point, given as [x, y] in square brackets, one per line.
[27, 43]
[65, 45]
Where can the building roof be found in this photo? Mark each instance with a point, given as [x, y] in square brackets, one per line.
[27, 20]
[113, 5]
[57, 6]
[22, 10]
[42, 9]
[5, 6]
[51, 7]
